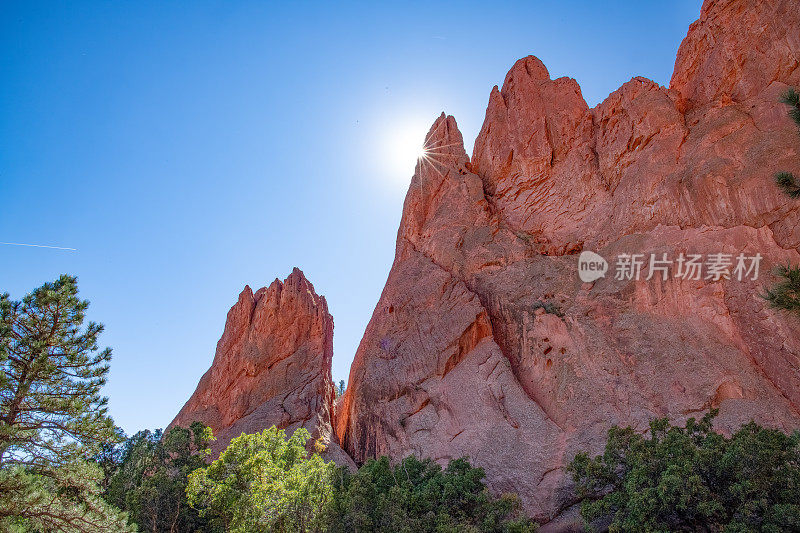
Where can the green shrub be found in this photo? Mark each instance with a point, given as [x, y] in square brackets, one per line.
[786, 293]
[549, 308]
[264, 483]
[419, 496]
[692, 479]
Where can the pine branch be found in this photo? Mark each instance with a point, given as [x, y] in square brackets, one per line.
[792, 98]
[786, 293]
[786, 180]
[788, 183]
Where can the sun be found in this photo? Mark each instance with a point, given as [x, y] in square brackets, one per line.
[404, 147]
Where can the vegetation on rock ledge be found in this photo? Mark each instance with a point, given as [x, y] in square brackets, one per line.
[786, 293]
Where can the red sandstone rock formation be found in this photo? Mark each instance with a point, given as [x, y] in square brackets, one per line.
[485, 343]
[460, 356]
[272, 367]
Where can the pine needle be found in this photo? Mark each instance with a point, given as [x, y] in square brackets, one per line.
[787, 182]
[786, 293]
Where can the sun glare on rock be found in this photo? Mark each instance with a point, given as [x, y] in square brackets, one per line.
[404, 146]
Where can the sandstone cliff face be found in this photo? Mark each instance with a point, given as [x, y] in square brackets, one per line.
[272, 366]
[462, 357]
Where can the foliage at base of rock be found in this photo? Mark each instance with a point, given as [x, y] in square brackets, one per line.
[419, 496]
[67, 499]
[692, 479]
[150, 477]
[264, 482]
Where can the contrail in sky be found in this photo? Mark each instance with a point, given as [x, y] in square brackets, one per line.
[39, 246]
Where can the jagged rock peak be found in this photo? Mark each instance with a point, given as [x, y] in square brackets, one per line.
[530, 67]
[444, 137]
[272, 365]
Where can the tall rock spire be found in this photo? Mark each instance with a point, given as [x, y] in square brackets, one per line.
[272, 366]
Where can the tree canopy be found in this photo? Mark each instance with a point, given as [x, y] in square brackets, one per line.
[151, 474]
[264, 482]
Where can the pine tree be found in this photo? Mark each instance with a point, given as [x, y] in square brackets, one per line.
[786, 293]
[53, 419]
[792, 98]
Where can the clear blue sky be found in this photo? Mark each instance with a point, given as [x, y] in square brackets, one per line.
[186, 149]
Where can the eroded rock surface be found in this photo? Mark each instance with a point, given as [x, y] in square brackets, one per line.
[486, 343]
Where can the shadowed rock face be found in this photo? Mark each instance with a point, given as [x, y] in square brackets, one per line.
[460, 356]
[272, 366]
